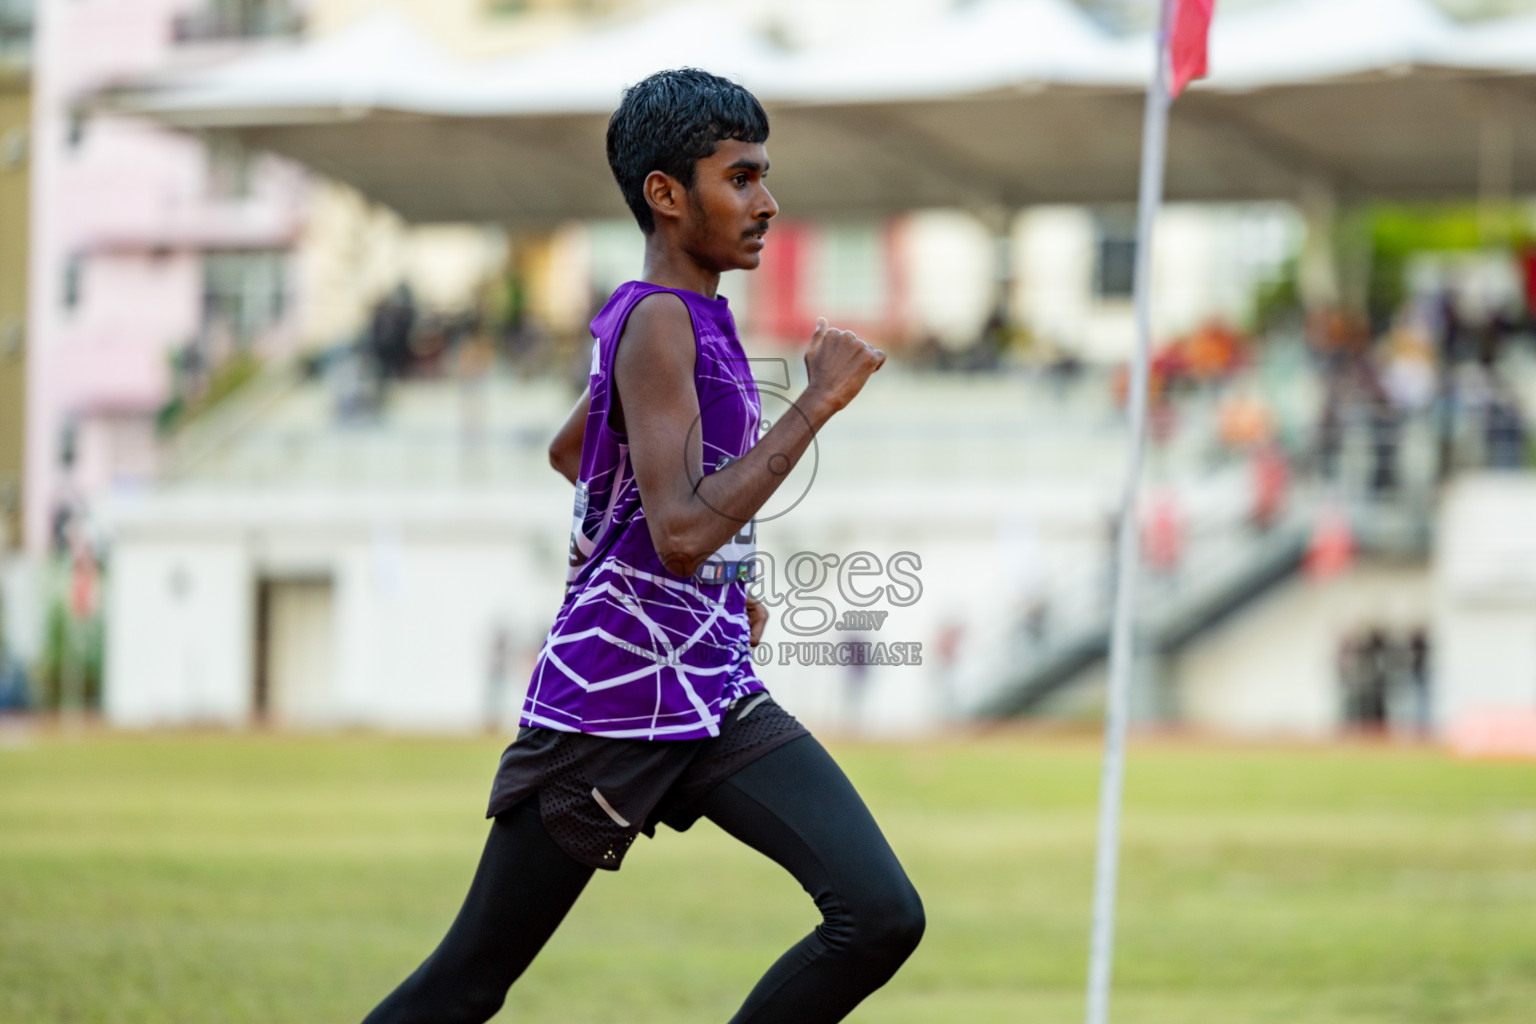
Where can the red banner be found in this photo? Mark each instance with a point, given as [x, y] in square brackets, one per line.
[1191, 31]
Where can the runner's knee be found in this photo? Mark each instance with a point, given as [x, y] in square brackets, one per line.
[884, 926]
[894, 924]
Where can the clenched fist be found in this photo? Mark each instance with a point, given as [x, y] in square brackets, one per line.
[838, 363]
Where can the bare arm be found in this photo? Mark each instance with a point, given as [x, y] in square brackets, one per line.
[691, 515]
[757, 621]
[565, 449]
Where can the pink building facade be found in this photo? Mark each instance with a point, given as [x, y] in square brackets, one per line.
[149, 249]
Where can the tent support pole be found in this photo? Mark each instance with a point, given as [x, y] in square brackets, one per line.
[1318, 274]
[1496, 168]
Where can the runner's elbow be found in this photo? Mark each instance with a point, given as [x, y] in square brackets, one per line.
[677, 545]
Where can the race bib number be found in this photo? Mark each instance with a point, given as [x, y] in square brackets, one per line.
[735, 560]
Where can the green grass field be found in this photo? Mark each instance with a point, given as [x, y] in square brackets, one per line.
[206, 879]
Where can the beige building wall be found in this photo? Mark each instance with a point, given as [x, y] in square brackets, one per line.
[355, 251]
[1485, 598]
[15, 120]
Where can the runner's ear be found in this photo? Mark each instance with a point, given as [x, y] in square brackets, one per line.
[664, 194]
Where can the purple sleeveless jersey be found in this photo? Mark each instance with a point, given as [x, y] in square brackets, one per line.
[637, 652]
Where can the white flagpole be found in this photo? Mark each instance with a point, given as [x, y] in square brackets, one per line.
[1154, 140]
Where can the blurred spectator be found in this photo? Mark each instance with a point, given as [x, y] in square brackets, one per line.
[1063, 370]
[1026, 576]
[1449, 336]
[356, 384]
[1409, 372]
[1214, 351]
[1378, 653]
[1163, 536]
[1271, 485]
[1243, 421]
[1451, 332]
[1330, 427]
[1385, 435]
[1384, 678]
[855, 682]
[1332, 546]
[1494, 335]
[389, 335]
[1418, 677]
[946, 663]
[1504, 426]
[1364, 668]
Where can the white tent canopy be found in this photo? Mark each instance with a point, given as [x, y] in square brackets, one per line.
[586, 75]
[989, 46]
[1507, 45]
[1319, 40]
[999, 103]
[381, 63]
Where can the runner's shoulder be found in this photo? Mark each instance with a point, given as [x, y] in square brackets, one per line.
[659, 327]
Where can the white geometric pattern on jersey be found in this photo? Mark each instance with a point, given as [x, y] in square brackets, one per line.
[602, 588]
[692, 619]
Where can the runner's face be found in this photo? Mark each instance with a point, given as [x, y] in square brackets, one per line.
[729, 206]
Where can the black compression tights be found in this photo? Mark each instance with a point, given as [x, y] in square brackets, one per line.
[794, 805]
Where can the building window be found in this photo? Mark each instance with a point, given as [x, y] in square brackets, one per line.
[74, 135]
[1114, 275]
[244, 293]
[74, 274]
[849, 270]
[223, 20]
[15, 28]
[229, 169]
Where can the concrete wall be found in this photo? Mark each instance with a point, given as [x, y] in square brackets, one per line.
[179, 642]
[1485, 608]
[1273, 668]
[417, 596]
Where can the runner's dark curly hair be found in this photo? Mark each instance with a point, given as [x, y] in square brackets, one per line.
[671, 121]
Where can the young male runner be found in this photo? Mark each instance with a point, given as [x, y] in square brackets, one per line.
[643, 707]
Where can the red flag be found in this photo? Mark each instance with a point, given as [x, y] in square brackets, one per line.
[1191, 30]
[1333, 544]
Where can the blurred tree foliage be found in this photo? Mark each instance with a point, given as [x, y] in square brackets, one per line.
[1396, 232]
[195, 393]
[71, 662]
[1277, 302]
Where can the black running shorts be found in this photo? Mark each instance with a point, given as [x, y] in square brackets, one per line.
[596, 794]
